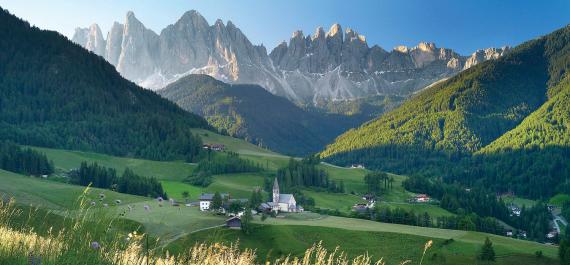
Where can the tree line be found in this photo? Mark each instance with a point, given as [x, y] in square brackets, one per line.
[220, 163]
[24, 160]
[483, 203]
[306, 173]
[107, 178]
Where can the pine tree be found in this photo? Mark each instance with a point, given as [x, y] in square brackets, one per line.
[246, 221]
[487, 251]
[217, 201]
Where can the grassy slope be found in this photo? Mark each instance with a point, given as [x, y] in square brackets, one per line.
[52, 195]
[274, 241]
[239, 185]
[504, 244]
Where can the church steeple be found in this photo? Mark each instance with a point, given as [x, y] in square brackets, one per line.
[275, 191]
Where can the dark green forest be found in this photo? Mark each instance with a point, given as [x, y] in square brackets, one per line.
[220, 163]
[101, 177]
[54, 93]
[305, 174]
[23, 160]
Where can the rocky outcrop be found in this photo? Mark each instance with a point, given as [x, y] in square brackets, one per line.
[333, 65]
[91, 38]
[485, 54]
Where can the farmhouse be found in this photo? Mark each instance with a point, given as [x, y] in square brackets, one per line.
[421, 198]
[214, 147]
[283, 202]
[206, 200]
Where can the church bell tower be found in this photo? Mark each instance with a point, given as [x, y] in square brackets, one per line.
[275, 192]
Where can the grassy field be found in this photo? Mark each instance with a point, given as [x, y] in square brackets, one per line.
[503, 245]
[233, 144]
[518, 201]
[559, 199]
[274, 241]
[237, 185]
[432, 210]
[53, 195]
[66, 160]
[169, 222]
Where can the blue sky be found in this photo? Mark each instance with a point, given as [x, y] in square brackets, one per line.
[461, 25]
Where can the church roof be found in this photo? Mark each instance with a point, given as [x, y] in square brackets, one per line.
[285, 198]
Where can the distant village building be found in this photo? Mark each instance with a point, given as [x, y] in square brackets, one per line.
[370, 198]
[515, 210]
[283, 202]
[421, 198]
[360, 207]
[207, 198]
[361, 166]
[214, 147]
[234, 223]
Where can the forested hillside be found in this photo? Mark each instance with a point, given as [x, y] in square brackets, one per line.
[252, 113]
[440, 129]
[54, 93]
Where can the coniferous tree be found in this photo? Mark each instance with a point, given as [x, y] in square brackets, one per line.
[217, 201]
[487, 251]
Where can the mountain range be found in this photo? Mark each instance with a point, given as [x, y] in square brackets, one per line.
[309, 70]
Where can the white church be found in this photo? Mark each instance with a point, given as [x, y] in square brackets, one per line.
[283, 202]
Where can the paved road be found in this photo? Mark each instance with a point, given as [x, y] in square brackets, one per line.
[558, 218]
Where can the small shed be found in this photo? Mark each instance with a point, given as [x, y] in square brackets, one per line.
[234, 223]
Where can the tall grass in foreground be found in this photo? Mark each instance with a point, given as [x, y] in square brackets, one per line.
[87, 236]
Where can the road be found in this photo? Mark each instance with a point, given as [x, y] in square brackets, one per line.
[558, 218]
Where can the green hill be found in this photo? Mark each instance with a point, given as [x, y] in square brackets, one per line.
[447, 123]
[252, 113]
[54, 93]
[532, 159]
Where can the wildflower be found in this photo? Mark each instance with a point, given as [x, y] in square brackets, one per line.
[105, 205]
[159, 199]
[146, 207]
[95, 245]
[93, 203]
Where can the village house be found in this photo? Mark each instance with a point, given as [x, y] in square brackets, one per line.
[283, 202]
[360, 166]
[370, 198]
[421, 198]
[207, 198]
[214, 147]
[515, 210]
[234, 223]
[360, 207]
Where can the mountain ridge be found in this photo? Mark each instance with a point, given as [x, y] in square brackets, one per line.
[253, 113]
[53, 93]
[336, 65]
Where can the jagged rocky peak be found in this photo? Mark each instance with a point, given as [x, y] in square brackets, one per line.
[335, 30]
[139, 46]
[319, 34]
[336, 64]
[402, 49]
[484, 55]
[91, 38]
[114, 43]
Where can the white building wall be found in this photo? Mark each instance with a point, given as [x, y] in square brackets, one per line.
[204, 205]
